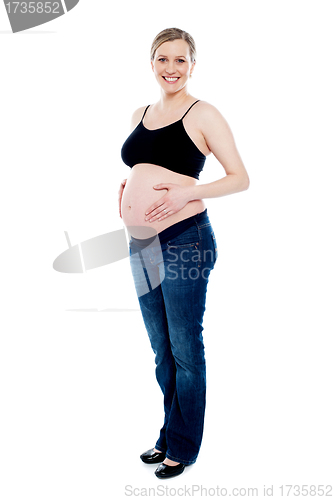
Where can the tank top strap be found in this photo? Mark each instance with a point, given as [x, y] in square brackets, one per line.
[189, 108]
[142, 118]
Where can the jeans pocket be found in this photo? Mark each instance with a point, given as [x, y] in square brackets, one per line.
[188, 238]
[215, 246]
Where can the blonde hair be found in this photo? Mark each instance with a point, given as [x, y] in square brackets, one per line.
[170, 34]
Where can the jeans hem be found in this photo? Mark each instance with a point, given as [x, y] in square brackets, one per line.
[176, 459]
[159, 448]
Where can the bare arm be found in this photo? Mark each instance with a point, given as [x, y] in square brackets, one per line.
[220, 141]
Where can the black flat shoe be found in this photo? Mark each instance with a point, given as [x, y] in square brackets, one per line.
[152, 457]
[165, 471]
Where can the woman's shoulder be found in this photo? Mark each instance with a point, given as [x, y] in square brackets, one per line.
[207, 111]
[137, 115]
[208, 117]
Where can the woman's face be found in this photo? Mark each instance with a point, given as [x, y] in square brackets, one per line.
[172, 65]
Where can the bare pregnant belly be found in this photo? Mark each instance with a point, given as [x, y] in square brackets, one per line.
[139, 195]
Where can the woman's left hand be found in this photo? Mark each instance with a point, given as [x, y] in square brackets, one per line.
[174, 200]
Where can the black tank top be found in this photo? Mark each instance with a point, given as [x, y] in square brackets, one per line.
[169, 147]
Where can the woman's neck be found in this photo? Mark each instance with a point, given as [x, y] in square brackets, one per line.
[169, 102]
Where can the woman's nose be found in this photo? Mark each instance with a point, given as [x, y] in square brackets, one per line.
[170, 68]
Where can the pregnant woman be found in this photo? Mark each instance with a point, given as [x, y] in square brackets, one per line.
[166, 152]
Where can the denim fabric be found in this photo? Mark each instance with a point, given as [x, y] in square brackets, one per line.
[173, 308]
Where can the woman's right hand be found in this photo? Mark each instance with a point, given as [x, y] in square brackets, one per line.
[120, 194]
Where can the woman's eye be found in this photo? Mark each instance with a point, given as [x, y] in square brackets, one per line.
[163, 59]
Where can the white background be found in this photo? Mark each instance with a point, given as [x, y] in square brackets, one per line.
[79, 399]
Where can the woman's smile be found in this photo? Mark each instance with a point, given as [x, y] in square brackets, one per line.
[171, 79]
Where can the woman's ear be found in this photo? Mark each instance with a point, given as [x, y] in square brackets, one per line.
[152, 65]
[192, 68]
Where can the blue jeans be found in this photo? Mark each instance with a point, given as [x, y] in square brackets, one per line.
[173, 311]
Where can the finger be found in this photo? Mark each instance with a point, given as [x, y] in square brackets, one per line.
[152, 218]
[166, 215]
[155, 207]
[162, 186]
[159, 213]
[152, 208]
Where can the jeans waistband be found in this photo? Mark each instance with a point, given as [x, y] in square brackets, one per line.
[174, 230]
